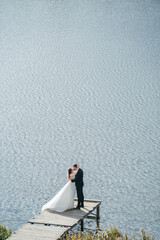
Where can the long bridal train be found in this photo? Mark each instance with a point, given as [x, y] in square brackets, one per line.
[63, 200]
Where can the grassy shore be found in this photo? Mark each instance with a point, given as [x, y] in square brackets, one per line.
[109, 234]
[5, 232]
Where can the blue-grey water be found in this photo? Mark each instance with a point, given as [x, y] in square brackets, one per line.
[80, 82]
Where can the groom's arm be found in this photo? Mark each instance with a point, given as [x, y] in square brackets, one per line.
[77, 177]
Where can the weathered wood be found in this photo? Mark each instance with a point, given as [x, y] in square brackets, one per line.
[38, 232]
[68, 218]
[50, 225]
[89, 200]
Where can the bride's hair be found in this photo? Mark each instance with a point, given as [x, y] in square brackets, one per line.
[69, 172]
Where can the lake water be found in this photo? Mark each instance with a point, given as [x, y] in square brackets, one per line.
[80, 83]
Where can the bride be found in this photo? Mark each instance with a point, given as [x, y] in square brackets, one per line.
[64, 199]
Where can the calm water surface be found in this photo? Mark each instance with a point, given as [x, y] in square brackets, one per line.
[80, 82]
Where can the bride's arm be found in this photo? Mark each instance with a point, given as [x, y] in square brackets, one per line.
[72, 176]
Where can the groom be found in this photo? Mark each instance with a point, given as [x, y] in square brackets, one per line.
[79, 185]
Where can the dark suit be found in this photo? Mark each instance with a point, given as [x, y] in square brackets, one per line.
[79, 186]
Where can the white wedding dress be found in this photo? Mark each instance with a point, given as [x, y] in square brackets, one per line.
[64, 199]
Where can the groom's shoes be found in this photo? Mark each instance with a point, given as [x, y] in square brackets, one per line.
[77, 208]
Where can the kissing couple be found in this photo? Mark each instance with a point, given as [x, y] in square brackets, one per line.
[64, 199]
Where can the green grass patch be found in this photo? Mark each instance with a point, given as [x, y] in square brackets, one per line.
[109, 234]
[5, 232]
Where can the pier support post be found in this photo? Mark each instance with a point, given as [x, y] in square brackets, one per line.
[98, 216]
[82, 225]
[98, 212]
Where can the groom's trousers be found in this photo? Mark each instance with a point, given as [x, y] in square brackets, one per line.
[80, 196]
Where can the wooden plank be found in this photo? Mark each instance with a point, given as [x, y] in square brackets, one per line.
[89, 205]
[34, 233]
[22, 237]
[38, 232]
[68, 218]
[89, 200]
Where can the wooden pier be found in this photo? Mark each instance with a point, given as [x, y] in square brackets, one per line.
[50, 225]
